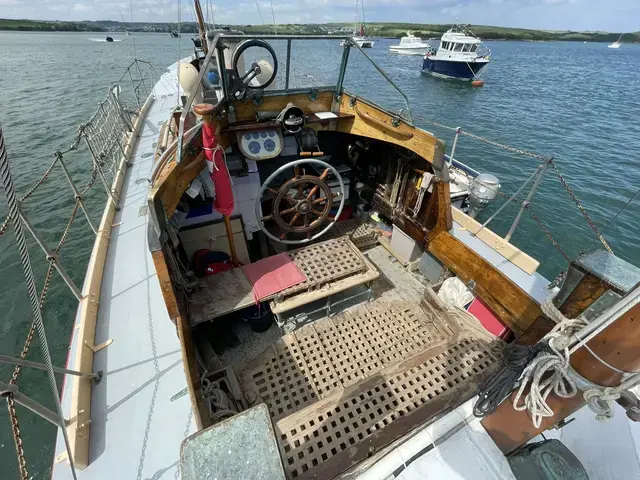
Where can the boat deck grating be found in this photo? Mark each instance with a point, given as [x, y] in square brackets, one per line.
[333, 384]
[325, 262]
[310, 441]
[361, 234]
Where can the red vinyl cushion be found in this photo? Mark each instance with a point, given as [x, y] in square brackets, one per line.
[272, 275]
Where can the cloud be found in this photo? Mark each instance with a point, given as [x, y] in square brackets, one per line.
[620, 15]
[80, 7]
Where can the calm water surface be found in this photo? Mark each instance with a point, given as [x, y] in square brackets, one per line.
[577, 102]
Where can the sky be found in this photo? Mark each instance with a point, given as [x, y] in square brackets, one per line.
[590, 15]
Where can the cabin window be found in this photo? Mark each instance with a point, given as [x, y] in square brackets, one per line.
[444, 46]
[474, 47]
[466, 47]
[457, 47]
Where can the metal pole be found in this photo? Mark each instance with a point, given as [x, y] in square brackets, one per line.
[388, 78]
[133, 87]
[504, 205]
[35, 407]
[192, 95]
[42, 366]
[146, 92]
[125, 121]
[101, 172]
[76, 194]
[526, 202]
[453, 147]
[51, 256]
[286, 78]
[343, 66]
[14, 215]
[606, 318]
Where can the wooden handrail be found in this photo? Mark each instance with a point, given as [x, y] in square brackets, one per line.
[381, 124]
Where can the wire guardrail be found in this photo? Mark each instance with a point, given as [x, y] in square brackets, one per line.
[526, 205]
[104, 137]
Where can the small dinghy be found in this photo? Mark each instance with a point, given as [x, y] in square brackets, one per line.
[109, 39]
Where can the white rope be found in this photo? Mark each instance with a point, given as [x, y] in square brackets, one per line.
[550, 372]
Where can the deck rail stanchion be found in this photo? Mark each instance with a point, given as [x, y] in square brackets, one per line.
[455, 144]
[527, 200]
[20, 398]
[76, 193]
[50, 255]
[509, 200]
[98, 165]
[41, 366]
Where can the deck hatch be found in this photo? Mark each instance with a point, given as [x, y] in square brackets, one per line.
[310, 441]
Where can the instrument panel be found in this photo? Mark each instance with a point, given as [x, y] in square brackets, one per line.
[260, 144]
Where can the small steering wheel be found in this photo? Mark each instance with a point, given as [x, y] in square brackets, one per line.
[302, 203]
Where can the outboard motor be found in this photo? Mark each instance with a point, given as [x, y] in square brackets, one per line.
[482, 191]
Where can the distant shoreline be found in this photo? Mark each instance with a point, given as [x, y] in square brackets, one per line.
[374, 29]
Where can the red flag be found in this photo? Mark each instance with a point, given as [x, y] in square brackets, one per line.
[218, 170]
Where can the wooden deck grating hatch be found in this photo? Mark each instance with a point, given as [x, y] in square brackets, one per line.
[335, 384]
[325, 262]
[361, 234]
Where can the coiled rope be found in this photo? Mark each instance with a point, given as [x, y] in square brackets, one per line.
[544, 369]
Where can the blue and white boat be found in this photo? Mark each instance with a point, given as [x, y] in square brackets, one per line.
[460, 55]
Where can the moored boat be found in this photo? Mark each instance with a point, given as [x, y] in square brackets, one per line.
[359, 31]
[460, 55]
[411, 45]
[617, 44]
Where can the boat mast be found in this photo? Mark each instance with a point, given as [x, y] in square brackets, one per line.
[355, 24]
[201, 27]
[362, 25]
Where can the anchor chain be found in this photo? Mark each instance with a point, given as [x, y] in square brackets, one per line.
[547, 232]
[486, 140]
[15, 426]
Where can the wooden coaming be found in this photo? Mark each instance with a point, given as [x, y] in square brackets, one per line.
[180, 317]
[512, 304]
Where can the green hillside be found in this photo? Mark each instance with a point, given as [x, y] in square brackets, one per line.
[374, 29]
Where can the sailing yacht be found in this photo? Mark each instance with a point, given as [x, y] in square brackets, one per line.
[282, 287]
[359, 32]
[617, 43]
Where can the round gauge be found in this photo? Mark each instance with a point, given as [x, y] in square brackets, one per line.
[269, 145]
[255, 135]
[247, 136]
[263, 134]
[271, 133]
[254, 147]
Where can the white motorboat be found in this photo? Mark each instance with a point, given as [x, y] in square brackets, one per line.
[617, 43]
[411, 45]
[460, 55]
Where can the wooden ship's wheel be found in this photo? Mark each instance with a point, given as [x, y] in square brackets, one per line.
[302, 204]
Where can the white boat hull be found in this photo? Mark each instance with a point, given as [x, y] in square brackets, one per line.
[614, 45]
[361, 43]
[410, 50]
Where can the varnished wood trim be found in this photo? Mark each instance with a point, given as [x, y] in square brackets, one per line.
[512, 304]
[367, 121]
[393, 130]
[496, 242]
[246, 110]
[187, 349]
[80, 411]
